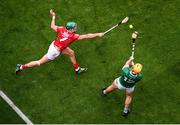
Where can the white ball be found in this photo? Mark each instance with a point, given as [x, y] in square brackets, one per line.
[131, 26]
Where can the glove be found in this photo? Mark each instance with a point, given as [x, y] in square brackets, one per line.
[131, 58]
[134, 35]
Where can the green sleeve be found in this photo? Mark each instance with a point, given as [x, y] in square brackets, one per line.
[125, 70]
[140, 76]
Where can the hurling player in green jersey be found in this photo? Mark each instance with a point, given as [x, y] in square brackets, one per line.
[130, 75]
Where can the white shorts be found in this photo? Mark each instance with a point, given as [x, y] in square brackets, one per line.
[119, 86]
[53, 52]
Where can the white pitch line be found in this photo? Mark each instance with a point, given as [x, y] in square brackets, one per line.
[15, 108]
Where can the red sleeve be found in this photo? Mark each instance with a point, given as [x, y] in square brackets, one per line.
[60, 29]
[76, 36]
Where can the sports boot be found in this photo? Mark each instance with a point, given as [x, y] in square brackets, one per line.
[125, 113]
[81, 70]
[102, 91]
[18, 68]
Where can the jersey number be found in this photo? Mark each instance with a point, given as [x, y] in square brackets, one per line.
[63, 39]
[128, 80]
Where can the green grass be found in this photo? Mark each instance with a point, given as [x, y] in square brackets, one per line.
[53, 93]
[8, 115]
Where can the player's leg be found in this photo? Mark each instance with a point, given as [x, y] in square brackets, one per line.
[128, 100]
[109, 89]
[39, 62]
[68, 51]
[115, 85]
[43, 60]
[51, 55]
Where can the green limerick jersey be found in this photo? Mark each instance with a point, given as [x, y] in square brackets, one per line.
[127, 79]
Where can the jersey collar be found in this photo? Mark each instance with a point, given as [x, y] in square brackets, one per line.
[134, 75]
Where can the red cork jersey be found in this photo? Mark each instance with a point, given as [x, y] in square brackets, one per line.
[65, 38]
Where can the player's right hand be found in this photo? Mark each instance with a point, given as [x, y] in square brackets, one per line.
[134, 35]
[52, 13]
[101, 34]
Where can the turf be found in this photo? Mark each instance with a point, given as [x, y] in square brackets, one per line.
[53, 93]
[8, 115]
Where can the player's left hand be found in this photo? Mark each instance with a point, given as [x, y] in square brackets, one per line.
[52, 13]
[134, 35]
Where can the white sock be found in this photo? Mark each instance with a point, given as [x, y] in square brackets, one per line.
[104, 91]
[21, 67]
[126, 109]
[77, 69]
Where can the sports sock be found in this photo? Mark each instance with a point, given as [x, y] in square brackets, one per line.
[126, 109]
[23, 67]
[76, 67]
[104, 91]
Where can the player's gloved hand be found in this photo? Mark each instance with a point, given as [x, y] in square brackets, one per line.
[100, 34]
[52, 13]
[131, 58]
[134, 35]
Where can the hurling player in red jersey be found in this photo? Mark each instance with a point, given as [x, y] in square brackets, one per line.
[66, 36]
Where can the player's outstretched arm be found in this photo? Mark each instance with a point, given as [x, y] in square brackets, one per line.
[53, 26]
[90, 35]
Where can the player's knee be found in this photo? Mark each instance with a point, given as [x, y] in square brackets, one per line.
[71, 53]
[38, 63]
[129, 94]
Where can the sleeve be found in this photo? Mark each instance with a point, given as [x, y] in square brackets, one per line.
[59, 29]
[125, 66]
[125, 70]
[140, 76]
[76, 36]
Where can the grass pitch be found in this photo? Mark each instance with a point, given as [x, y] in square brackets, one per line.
[53, 93]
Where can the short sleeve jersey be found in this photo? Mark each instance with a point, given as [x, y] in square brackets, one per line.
[65, 38]
[128, 79]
